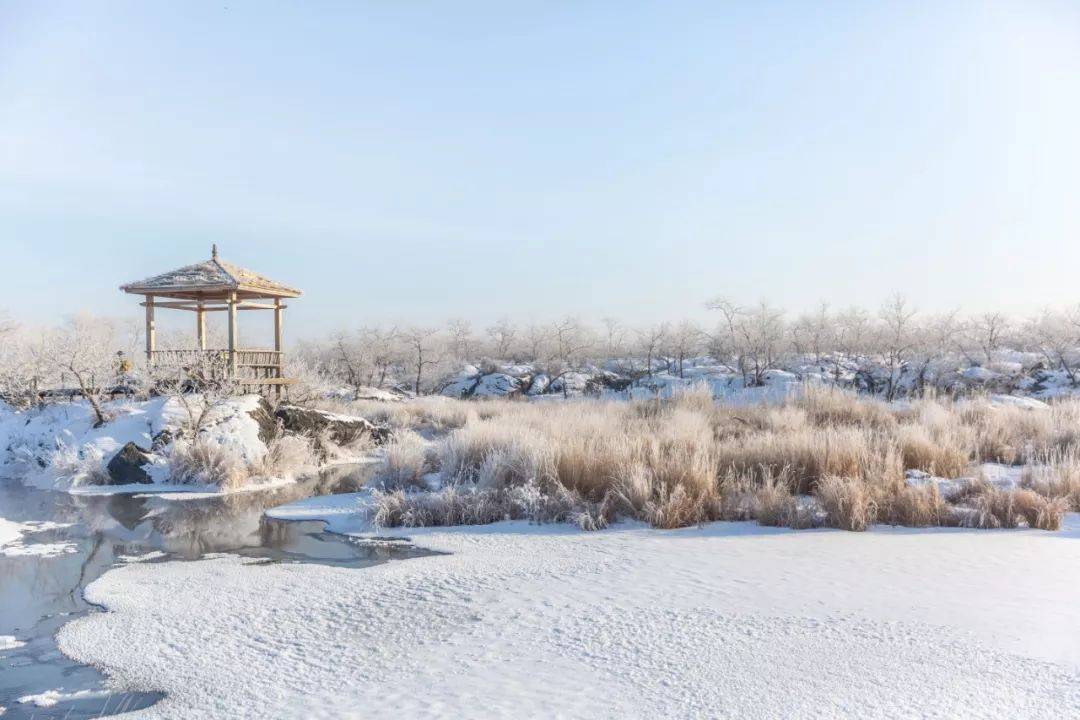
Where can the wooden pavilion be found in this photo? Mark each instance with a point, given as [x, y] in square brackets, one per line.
[218, 286]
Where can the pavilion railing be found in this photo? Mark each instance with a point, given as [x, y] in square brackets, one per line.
[252, 366]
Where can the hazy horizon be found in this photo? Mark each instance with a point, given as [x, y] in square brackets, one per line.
[414, 164]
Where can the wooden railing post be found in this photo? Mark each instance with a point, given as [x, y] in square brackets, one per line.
[200, 326]
[232, 333]
[150, 330]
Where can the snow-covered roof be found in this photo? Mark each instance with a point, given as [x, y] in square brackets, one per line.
[213, 275]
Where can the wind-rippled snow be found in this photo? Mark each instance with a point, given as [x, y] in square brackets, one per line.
[729, 620]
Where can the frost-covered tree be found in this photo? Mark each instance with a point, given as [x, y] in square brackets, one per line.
[983, 336]
[461, 342]
[616, 346]
[502, 334]
[935, 340]
[423, 348]
[200, 385]
[897, 339]
[650, 342]
[84, 349]
[364, 358]
[18, 368]
[852, 338]
[755, 336]
[571, 341]
[535, 341]
[812, 332]
[1055, 335]
[348, 359]
[684, 341]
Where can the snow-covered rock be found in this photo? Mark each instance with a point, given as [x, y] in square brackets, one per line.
[472, 383]
[979, 374]
[342, 429]
[1028, 403]
[540, 384]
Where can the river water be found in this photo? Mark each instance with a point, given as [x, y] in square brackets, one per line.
[77, 538]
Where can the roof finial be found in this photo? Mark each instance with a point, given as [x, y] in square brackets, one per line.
[213, 251]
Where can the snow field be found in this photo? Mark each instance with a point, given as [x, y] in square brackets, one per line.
[727, 620]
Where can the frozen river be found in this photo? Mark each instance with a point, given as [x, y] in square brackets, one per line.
[67, 541]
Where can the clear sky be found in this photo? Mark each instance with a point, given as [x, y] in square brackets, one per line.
[416, 161]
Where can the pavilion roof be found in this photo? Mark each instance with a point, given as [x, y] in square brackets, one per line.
[209, 278]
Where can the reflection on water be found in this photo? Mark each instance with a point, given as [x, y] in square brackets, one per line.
[40, 593]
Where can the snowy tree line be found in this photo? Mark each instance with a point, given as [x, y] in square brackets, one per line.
[891, 351]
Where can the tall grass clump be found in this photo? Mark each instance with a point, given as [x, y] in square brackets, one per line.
[201, 462]
[78, 465]
[1056, 475]
[407, 458]
[848, 503]
[775, 505]
[288, 456]
[825, 456]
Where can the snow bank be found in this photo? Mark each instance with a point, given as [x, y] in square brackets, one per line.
[10, 532]
[10, 642]
[58, 447]
[342, 513]
[1003, 477]
[728, 620]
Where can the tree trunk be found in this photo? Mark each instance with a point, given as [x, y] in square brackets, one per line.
[91, 397]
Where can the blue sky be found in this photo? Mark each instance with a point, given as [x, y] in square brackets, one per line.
[411, 162]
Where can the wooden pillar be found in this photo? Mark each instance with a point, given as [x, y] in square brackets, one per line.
[200, 326]
[150, 330]
[278, 344]
[233, 335]
[277, 325]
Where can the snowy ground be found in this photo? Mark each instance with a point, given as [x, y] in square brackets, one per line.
[729, 620]
[58, 447]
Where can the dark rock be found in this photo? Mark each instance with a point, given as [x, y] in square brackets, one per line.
[342, 429]
[265, 417]
[606, 380]
[161, 440]
[126, 467]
